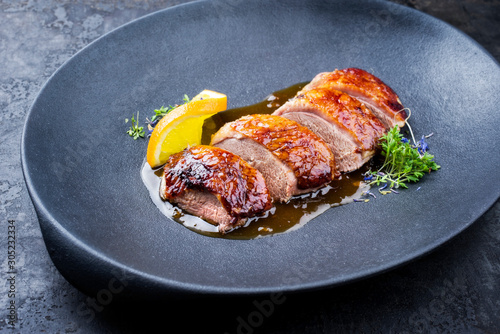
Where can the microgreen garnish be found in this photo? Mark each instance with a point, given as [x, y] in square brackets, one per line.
[135, 130]
[361, 200]
[159, 113]
[369, 193]
[403, 162]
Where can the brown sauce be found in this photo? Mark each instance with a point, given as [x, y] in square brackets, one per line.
[282, 217]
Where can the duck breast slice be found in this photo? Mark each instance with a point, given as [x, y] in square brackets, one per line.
[215, 185]
[292, 159]
[368, 89]
[344, 123]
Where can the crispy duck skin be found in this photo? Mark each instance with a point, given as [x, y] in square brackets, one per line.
[303, 151]
[368, 89]
[353, 130]
[240, 189]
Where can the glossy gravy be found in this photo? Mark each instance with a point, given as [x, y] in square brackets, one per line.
[282, 217]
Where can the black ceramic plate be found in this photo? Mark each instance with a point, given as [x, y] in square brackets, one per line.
[83, 171]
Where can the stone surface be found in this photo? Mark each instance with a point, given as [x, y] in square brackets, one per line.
[454, 289]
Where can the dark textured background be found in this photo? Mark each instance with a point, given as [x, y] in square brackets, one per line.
[455, 289]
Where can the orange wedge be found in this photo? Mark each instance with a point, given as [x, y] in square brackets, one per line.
[182, 126]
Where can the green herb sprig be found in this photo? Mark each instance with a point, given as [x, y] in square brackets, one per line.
[135, 130]
[403, 162]
[159, 113]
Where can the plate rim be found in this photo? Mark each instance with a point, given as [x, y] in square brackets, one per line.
[43, 213]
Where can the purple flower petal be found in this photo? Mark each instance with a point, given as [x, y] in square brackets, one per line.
[422, 146]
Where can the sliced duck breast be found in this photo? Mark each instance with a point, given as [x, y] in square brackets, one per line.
[215, 185]
[349, 128]
[292, 159]
[368, 89]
